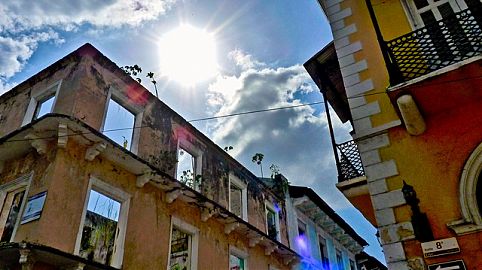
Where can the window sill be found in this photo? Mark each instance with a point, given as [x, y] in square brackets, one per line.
[462, 227]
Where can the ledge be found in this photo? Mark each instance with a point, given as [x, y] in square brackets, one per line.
[462, 227]
[15, 145]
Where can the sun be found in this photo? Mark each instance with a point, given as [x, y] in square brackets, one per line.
[188, 55]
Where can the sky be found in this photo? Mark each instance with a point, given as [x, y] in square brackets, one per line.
[261, 46]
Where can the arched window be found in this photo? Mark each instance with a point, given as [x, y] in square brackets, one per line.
[470, 195]
[478, 193]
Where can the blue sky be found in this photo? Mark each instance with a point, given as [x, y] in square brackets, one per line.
[261, 46]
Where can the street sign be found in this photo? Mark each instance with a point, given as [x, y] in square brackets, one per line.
[452, 265]
[440, 247]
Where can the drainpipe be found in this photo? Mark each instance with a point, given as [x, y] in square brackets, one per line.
[394, 73]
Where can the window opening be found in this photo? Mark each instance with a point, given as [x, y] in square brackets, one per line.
[301, 228]
[119, 124]
[100, 228]
[323, 251]
[339, 260]
[186, 169]
[272, 222]
[44, 106]
[180, 257]
[10, 213]
[238, 197]
[236, 263]
[236, 200]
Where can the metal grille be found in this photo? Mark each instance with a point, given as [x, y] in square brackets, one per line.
[438, 45]
[350, 161]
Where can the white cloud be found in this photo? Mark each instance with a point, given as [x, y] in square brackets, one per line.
[244, 61]
[295, 139]
[22, 15]
[25, 24]
[14, 52]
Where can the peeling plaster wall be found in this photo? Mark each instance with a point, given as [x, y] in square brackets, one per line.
[64, 173]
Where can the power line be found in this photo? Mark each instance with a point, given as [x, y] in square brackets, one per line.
[253, 111]
[194, 120]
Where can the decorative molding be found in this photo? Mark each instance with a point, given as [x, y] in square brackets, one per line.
[270, 249]
[388, 200]
[253, 241]
[288, 259]
[144, 179]
[26, 259]
[366, 110]
[385, 217]
[207, 213]
[381, 170]
[171, 196]
[63, 135]
[369, 132]
[38, 143]
[230, 227]
[94, 150]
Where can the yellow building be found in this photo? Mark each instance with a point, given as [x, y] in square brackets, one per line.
[407, 75]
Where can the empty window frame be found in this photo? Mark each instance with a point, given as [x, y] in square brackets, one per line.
[238, 197]
[42, 102]
[323, 251]
[272, 220]
[13, 196]
[189, 164]
[103, 226]
[238, 260]
[183, 248]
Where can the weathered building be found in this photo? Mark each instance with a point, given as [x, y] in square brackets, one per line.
[407, 75]
[97, 173]
[322, 238]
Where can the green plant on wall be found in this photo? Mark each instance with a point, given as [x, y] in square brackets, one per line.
[190, 180]
[279, 181]
[258, 159]
[136, 70]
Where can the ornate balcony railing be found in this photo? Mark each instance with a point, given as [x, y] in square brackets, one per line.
[437, 45]
[349, 161]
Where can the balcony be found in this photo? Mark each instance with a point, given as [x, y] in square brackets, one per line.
[349, 162]
[438, 45]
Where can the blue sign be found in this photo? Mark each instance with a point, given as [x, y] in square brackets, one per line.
[34, 207]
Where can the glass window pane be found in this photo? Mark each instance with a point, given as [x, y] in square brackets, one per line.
[10, 214]
[100, 226]
[420, 3]
[44, 106]
[236, 203]
[180, 257]
[428, 17]
[236, 263]
[118, 117]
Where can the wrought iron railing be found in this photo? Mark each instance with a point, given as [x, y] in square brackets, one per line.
[349, 161]
[437, 45]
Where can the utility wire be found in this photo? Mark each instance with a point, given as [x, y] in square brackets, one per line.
[255, 111]
[250, 112]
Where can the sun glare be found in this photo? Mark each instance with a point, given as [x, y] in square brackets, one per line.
[188, 55]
